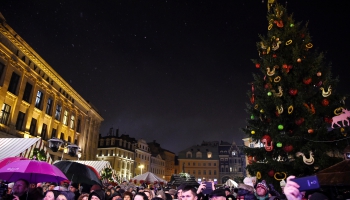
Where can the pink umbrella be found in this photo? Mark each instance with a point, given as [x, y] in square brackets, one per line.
[8, 160]
[31, 170]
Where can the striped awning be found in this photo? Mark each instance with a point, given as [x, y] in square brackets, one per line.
[98, 165]
[21, 147]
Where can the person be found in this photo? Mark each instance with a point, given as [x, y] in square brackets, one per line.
[52, 186]
[8, 193]
[74, 187]
[108, 193]
[51, 195]
[188, 193]
[97, 195]
[95, 187]
[218, 194]
[245, 192]
[20, 190]
[161, 194]
[116, 196]
[228, 194]
[84, 196]
[262, 191]
[179, 191]
[291, 190]
[62, 197]
[127, 195]
[172, 192]
[140, 196]
[148, 193]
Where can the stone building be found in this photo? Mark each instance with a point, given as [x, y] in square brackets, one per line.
[168, 158]
[232, 165]
[37, 102]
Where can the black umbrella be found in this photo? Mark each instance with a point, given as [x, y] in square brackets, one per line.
[78, 173]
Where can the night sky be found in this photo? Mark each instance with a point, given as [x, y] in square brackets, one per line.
[172, 71]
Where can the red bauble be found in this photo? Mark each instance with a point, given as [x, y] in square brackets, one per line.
[285, 66]
[267, 137]
[319, 84]
[271, 173]
[268, 86]
[328, 120]
[257, 65]
[325, 102]
[310, 131]
[274, 56]
[307, 81]
[299, 121]
[293, 92]
[288, 148]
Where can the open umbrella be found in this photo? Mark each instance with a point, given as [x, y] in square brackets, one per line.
[9, 160]
[31, 170]
[149, 177]
[78, 173]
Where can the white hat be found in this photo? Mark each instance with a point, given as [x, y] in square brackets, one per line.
[248, 181]
[10, 185]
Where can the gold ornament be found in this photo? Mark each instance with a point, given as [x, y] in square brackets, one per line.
[268, 50]
[277, 79]
[271, 72]
[269, 27]
[262, 45]
[308, 161]
[280, 174]
[279, 109]
[329, 91]
[290, 109]
[309, 46]
[289, 42]
[258, 175]
[256, 106]
[276, 45]
[262, 111]
[280, 92]
[338, 111]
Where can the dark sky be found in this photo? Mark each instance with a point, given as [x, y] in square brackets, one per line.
[173, 71]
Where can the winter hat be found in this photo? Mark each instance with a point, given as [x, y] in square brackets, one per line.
[98, 193]
[282, 183]
[10, 185]
[248, 181]
[263, 185]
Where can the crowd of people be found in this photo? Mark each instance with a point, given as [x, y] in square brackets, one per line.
[250, 189]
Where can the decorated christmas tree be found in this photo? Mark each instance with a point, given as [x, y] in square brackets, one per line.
[298, 123]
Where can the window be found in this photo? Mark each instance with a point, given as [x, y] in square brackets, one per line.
[2, 67]
[194, 171]
[209, 172]
[209, 154]
[204, 164]
[214, 172]
[32, 127]
[27, 92]
[39, 99]
[188, 164]
[44, 132]
[234, 153]
[62, 136]
[20, 120]
[49, 106]
[209, 164]
[54, 133]
[5, 114]
[194, 164]
[65, 117]
[58, 112]
[70, 139]
[78, 125]
[199, 172]
[72, 118]
[189, 154]
[198, 154]
[13, 83]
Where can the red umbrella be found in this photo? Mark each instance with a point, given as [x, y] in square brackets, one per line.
[95, 171]
[8, 160]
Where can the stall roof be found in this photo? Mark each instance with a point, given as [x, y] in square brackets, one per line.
[21, 147]
[98, 165]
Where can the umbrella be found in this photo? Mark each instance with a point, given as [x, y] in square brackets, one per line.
[78, 173]
[231, 183]
[149, 177]
[31, 170]
[8, 160]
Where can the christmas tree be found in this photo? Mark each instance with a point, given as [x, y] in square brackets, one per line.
[292, 105]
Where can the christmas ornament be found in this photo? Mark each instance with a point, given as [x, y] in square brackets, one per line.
[280, 92]
[262, 111]
[319, 84]
[267, 138]
[308, 161]
[279, 144]
[258, 175]
[311, 108]
[279, 109]
[276, 45]
[270, 27]
[328, 120]
[277, 79]
[288, 148]
[252, 117]
[270, 72]
[269, 94]
[299, 60]
[274, 56]
[266, 145]
[338, 111]
[257, 65]
[268, 50]
[291, 25]
[251, 159]
[310, 131]
[307, 81]
[325, 102]
[290, 109]
[256, 106]
[299, 121]
[319, 74]
[252, 99]
[291, 158]
[252, 132]
[279, 176]
[286, 68]
[309, 45]
[280, 127]
[271, 173]
[293, 92]
[279, 23]
[289, 42]
[268, 86]
[329, 91]
[263, 46]
[342, 117]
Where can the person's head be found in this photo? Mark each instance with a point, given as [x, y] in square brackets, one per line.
[168, 196]
[218, 194]
[83, 197]
[51, 195]
[148, 193]
[73, 187]
[189, 193]
[140, 196]
[20, 187]
[97, 195]
[61, 197]
[116, 195]
[161, 194]
[9, 188]
[52, 186]
[261, 188]
[179, 191]
[127, 195]
[95, 187]
[172, 192]
[227, 191]
[108, 192]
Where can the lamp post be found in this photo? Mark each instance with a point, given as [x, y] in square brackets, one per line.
[141, 167]
[55, 144]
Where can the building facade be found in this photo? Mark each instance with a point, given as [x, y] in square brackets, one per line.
[37, 102]
[142, 157]
[167, 157]
[201, 161]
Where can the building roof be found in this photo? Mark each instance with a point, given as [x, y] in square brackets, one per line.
[21, 147]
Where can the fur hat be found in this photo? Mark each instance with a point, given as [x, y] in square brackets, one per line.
[248, 181]
[246, 187]
[10, 185]
[263, 185]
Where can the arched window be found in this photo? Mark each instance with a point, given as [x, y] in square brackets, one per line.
[189, 154]
[199, 154]
[209, 154]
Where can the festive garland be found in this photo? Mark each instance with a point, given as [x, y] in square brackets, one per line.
[38, 154]
[185, 175]
[107, 174]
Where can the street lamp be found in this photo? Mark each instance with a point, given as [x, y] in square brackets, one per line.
[79, 155]
[141, 167]
[55, 144]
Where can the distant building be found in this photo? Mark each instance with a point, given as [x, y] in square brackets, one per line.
[142, 157]
[120, 152]
[201, 161]
[37, 102]
[168, 158]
